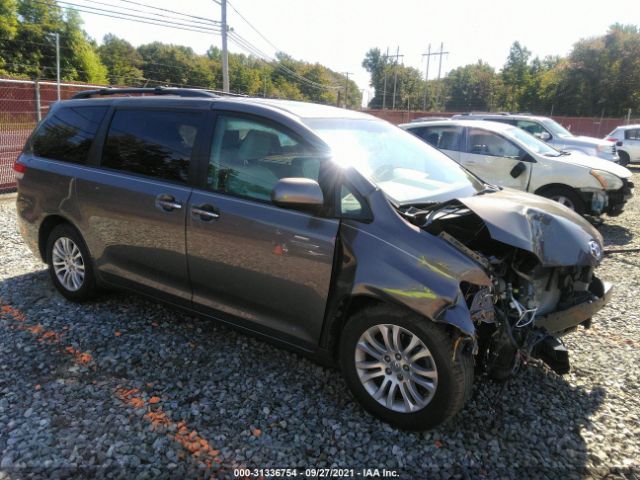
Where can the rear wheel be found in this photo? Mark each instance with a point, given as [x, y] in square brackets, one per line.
[624, 158]
[567, 197]
[69, 264]
[403, 369]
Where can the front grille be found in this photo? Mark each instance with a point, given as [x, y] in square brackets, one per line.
[614, 150]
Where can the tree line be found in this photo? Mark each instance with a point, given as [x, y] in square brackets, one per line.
[600, 76]
[27, 50]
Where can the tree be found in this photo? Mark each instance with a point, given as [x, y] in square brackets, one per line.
[471, 87]
[8, 29]
[515, 76]
[176, 65]
[122, 60]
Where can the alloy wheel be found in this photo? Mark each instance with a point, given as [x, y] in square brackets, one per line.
[564, 201]
[396, 368]
[68, 263]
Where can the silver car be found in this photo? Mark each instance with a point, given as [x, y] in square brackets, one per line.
[550, 131]
[627, 139]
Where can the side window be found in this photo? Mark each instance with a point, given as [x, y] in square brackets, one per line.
[249, 156]
[443, 137]
[153, 143]
[533, 128]
[67, 133]
[632, 134]
[484, 142]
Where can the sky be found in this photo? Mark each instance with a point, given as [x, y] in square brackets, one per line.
[338, 33]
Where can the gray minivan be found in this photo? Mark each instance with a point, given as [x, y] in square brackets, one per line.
[325, 230]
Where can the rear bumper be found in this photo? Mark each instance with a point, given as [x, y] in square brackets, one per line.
[558, 322]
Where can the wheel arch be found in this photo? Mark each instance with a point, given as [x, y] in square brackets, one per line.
[46, 227]
[453, 317]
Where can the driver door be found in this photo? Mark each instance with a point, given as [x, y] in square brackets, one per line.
[495, 159]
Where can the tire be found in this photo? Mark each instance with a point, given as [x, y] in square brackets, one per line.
[624, 158]
[566, 196]
[67, 249]
[451, 386]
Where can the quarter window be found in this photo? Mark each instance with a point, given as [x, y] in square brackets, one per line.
[153, 143]
[633, 134]
[249, 156]
[67, 133]
[484, 142]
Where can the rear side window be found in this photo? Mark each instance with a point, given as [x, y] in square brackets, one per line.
[443, 137]
[67, 133]
[153, 143]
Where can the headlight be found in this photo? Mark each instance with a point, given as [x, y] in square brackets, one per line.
[608, 180]
[603, 148]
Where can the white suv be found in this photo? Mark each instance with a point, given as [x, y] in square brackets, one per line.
[505, 155]
[627, 138]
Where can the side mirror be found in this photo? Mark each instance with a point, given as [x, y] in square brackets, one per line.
[297, 193]
[618, 144]
[544, 136]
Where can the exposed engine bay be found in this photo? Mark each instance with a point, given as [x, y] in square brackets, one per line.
[530, 304]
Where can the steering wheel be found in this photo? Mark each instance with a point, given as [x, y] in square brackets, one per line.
[384, 172]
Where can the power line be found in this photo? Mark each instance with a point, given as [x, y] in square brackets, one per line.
[197, 20]
[254, 28]
[149, 21]
[169, 11]
[173, 22]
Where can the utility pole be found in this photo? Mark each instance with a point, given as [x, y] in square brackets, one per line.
[58, 63]
[225, 52]
[440, 53]
[346, 88]
[384, 90]
[395, 77]
[426, 78]
[265, 86]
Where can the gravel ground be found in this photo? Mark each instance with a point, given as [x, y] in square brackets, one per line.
[127, 388]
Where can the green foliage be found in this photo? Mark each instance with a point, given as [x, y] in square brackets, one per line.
[122, 61]
[472, 87]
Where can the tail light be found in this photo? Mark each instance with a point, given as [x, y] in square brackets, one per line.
[19, 169]
[612, 139]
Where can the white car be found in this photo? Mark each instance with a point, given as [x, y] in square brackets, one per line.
[505, 155]
[627, 138]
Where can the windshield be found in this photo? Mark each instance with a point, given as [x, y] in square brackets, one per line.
[406, 169]
[532, 143]
[555, 128]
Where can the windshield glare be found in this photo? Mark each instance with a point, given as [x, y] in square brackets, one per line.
[532, 143]
[405, 168]
[555, 128]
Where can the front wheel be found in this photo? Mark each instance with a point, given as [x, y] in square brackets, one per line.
[567, 197]
[403, 369]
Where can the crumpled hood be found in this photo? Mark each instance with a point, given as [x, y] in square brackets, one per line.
[555, 234]
[589, 161]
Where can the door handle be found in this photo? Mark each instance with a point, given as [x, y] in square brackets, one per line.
[205, 213]
[167, 203]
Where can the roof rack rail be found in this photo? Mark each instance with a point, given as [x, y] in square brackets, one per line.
[181, 92]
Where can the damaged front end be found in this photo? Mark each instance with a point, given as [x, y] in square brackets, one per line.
[541, 260]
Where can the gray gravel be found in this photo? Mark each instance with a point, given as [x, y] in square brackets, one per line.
[124, 387]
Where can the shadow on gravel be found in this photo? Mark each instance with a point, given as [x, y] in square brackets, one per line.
[615, 234]
[259, 405]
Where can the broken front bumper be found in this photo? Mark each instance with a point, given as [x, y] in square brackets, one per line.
[559, 322]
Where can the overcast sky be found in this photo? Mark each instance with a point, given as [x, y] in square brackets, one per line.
[338, 33]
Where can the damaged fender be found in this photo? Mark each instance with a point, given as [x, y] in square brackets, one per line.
[418, 271]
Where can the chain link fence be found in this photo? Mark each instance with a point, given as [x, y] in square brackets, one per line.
[22, 104]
